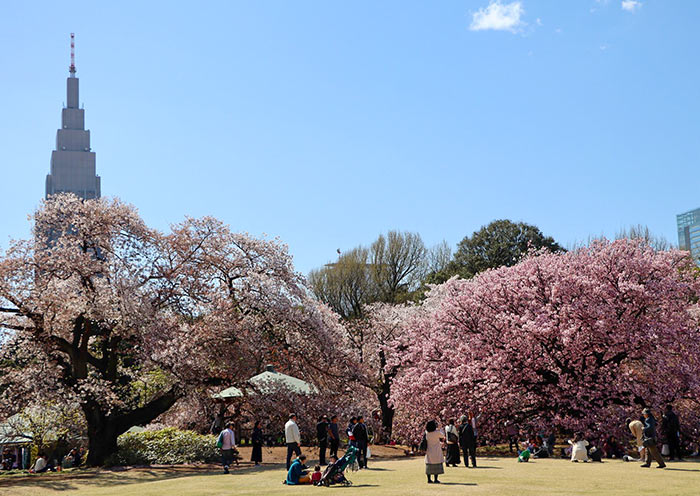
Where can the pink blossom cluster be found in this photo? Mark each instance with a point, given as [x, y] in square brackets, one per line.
[576, 340]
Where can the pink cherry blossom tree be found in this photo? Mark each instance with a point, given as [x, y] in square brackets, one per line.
[125, 320]
[577, 340]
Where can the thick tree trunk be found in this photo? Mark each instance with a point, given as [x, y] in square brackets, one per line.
[104, 429]
[102, 439]
[387, 413]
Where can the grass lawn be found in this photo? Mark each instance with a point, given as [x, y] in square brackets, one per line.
[495, 477]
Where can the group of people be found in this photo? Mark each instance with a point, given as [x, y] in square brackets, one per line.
[328, 436]
[458, 441]
[454, 438]
[19, 459]
[645, 433]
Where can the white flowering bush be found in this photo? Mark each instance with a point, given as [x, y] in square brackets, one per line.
[168, 446]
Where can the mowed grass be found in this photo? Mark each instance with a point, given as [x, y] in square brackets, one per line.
[495, 477]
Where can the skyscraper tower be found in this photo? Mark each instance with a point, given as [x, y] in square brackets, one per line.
[72, 162]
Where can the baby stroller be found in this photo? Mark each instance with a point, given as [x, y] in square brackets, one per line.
[334, 473]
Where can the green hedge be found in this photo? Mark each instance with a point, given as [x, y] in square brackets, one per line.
[168, 446]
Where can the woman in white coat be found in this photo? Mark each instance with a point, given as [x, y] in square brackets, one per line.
[579, 452]
[433, 452]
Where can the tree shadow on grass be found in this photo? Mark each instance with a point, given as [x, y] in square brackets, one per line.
[74, 481]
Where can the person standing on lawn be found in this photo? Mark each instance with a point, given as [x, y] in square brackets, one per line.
[257, 440]
[228, 443]
[452, 435]
[359, 432]
[671, 427]
[292, 438]
[433, 452]
[650, 440]
[334, 436]
[322, 436]
[467, 440]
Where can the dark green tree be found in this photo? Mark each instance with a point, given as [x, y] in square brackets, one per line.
[501, 243]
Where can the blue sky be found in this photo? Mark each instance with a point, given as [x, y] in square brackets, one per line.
[326, 123]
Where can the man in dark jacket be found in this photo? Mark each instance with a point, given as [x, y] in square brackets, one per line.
[334, 435]
[650, 440]
[671, 428]
[467, 440]
[322, 436]
[359, 432]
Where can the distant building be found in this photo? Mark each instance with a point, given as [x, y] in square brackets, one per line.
[689, 232]
[73, 167]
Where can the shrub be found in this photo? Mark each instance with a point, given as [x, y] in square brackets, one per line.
[168, 446]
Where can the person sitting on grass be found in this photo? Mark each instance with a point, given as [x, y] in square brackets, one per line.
[612, 448]
[524, 455]
[297, 472]
[578, 448]
[42, 465]
[316, 476]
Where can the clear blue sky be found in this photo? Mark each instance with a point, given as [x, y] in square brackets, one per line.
[326, 123]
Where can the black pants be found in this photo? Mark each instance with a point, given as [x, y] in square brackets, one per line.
[334, 447]
[362, 456]
[512, 441]
[292, 448]
[322, 445]
[227, 458]
[674, 447]
[469, 451]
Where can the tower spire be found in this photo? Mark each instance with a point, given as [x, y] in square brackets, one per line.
[72, 54]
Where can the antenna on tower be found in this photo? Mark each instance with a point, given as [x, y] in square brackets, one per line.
[72, 54]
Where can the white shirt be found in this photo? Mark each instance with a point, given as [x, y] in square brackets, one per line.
[228, 439]
[39, 464]
[291, 432]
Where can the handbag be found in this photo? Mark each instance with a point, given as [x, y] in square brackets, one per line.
[369, 452]
[665, 450]
[423, 444]
[219, 441]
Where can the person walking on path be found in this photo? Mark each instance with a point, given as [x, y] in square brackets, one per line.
[671, 427]
[467, 440]
[452, 435]
[228, 443]
[257, 439]
[433, 452]
[333, 436]
[292, 438]
[359, 432]
[650, 440]
[322, 436]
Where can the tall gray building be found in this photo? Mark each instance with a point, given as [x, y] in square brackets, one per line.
[689, 232]
[72, 162]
